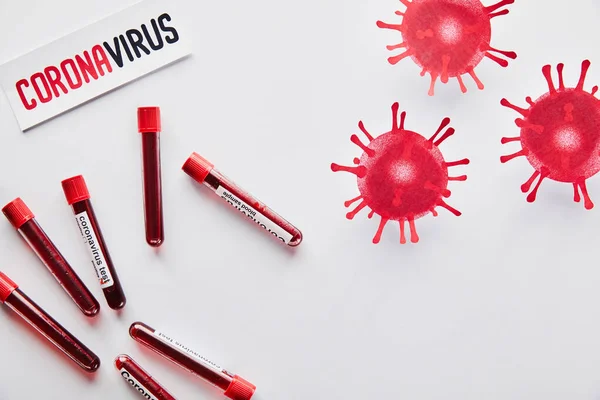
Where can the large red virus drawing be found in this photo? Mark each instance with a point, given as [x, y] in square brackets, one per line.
[448, 38]
[560, 135]
[401, 175]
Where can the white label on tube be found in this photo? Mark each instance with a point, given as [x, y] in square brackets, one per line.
[254, 215]
[136, 385]
[195, 355]
[91, 242]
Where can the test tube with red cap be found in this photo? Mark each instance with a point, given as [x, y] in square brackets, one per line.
[78, 197]
[21, 217]
[140, 380]
[149, 128]
[234, 386]
[204, 172]
[19, 302]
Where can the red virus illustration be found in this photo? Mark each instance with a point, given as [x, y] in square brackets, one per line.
[448, 38]
[560, 135]
[401, 175]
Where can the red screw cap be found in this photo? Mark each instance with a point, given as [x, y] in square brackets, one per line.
[17, 212]
[240, 389]
[7, 286]
[75, 189]
[197, 167]
[148, 119]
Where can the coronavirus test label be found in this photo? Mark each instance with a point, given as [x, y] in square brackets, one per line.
[254, 215]
[91, 242]
[195, 355]
[94, 60]
[137, 385]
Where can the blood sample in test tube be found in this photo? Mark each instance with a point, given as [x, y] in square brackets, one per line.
[149, 127]
[78, 197]
[21, 217]
[234, 386]
[141, 381]
[204, 172]
[19, 302]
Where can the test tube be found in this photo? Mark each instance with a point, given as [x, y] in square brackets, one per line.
[141, 381]
[19, 302]
[78, 197]
[234, 386]
[204, 172]
[149, 128]
[21, 217]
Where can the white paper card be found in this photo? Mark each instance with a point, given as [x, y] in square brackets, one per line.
[94, 60]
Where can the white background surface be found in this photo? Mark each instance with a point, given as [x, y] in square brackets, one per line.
[501, 303]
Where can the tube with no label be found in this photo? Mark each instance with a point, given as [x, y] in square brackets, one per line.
[78, 197]
[21, 217]
[140, 380]
[149, 127]
[204, 172]
[234, 386]
[13, 297]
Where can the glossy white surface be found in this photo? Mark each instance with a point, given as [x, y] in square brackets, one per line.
[500, 303]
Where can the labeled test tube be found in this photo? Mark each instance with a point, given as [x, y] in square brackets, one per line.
[149, 128]
[13, 297]
[204, 172]
[234, 386]
[140, 380]
[78, 197]
[21, 217]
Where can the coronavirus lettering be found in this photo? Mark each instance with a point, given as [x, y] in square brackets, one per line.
[81, 69]
[137, 386]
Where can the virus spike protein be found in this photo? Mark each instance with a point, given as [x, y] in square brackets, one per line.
[401, 175]
[560, 135]
[448, 38]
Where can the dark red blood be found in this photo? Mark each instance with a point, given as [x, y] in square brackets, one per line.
[53, 331]
[133, 370]
[153, 208]
[144, 334]
[560, 135]
[216, 180]
[115, 297]
[60, 268]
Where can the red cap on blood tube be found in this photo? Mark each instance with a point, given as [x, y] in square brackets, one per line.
[240, 389]
[7, 286]
[149, 119]
[17, 212]
[197, 167]
[75, 189]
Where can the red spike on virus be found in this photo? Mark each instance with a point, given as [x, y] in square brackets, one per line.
[560, 135]
[448, 38]
[401, 175]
